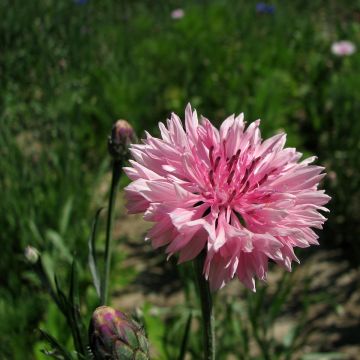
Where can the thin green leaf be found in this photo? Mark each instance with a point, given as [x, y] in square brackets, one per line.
[34, 230]
[72, 296]
[58, 242]
[288, 339]
[63, 303]
[48, 268]
[74, 316]
[52, 353]
[279, 298]
[324, 356]
[65, 216]
[92, 254]
[185, 338]
[45, 271]
[56, 345]
[70, 310]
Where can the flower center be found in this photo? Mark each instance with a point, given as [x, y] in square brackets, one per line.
[228, 178]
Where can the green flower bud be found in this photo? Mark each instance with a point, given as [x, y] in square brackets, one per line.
[115, 336]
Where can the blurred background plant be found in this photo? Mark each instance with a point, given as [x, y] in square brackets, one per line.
[70, 68]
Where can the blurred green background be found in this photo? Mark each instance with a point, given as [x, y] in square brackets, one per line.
[69, 69]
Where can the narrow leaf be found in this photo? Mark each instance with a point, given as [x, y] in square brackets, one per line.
[185, 338]
[92, 254]
[324, 356]
[56, 345]
[59, 244]
[63, 303]
[65, 216]
[72, 296]
[48, 268]
[35, 232]
[74, 316]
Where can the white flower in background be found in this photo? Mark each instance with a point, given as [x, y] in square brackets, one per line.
[31, 254]
[343, 48]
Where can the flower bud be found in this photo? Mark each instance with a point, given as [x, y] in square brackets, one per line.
[31, 254]
[114, 336]
[122, 135]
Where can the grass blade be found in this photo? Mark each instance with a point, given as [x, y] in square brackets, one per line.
[185, 338]
[92, 254]
[56, 345]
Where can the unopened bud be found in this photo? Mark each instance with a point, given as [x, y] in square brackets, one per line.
[122, 135]
[114, 336]
[31, 254]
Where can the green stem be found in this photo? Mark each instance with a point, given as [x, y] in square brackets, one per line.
[109, 226]
[206, 309]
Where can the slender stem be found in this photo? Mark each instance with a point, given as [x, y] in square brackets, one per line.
[109, 226]
[206, 309]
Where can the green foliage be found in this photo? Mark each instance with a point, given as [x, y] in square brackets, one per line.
[19, 316]
[68, 71]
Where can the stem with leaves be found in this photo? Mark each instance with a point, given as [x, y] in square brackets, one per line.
[206, 302]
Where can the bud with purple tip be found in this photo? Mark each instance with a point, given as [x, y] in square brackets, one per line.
[122, 135]
[114, 336]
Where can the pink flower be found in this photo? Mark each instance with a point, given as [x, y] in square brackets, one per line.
[242, 199]
[177, 14]
[343, 48]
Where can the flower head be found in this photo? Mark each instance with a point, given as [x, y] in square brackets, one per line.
[243, 200]
[177, 14]
[343, 48]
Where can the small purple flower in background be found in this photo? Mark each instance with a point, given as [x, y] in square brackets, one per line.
[264, 8]
[177, 14]
[343, 48]
[81, 2]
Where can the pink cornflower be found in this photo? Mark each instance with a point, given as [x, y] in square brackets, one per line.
[177, 14]
[343, 48]
[242, 200]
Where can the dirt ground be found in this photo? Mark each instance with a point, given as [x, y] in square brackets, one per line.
[334, 326]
